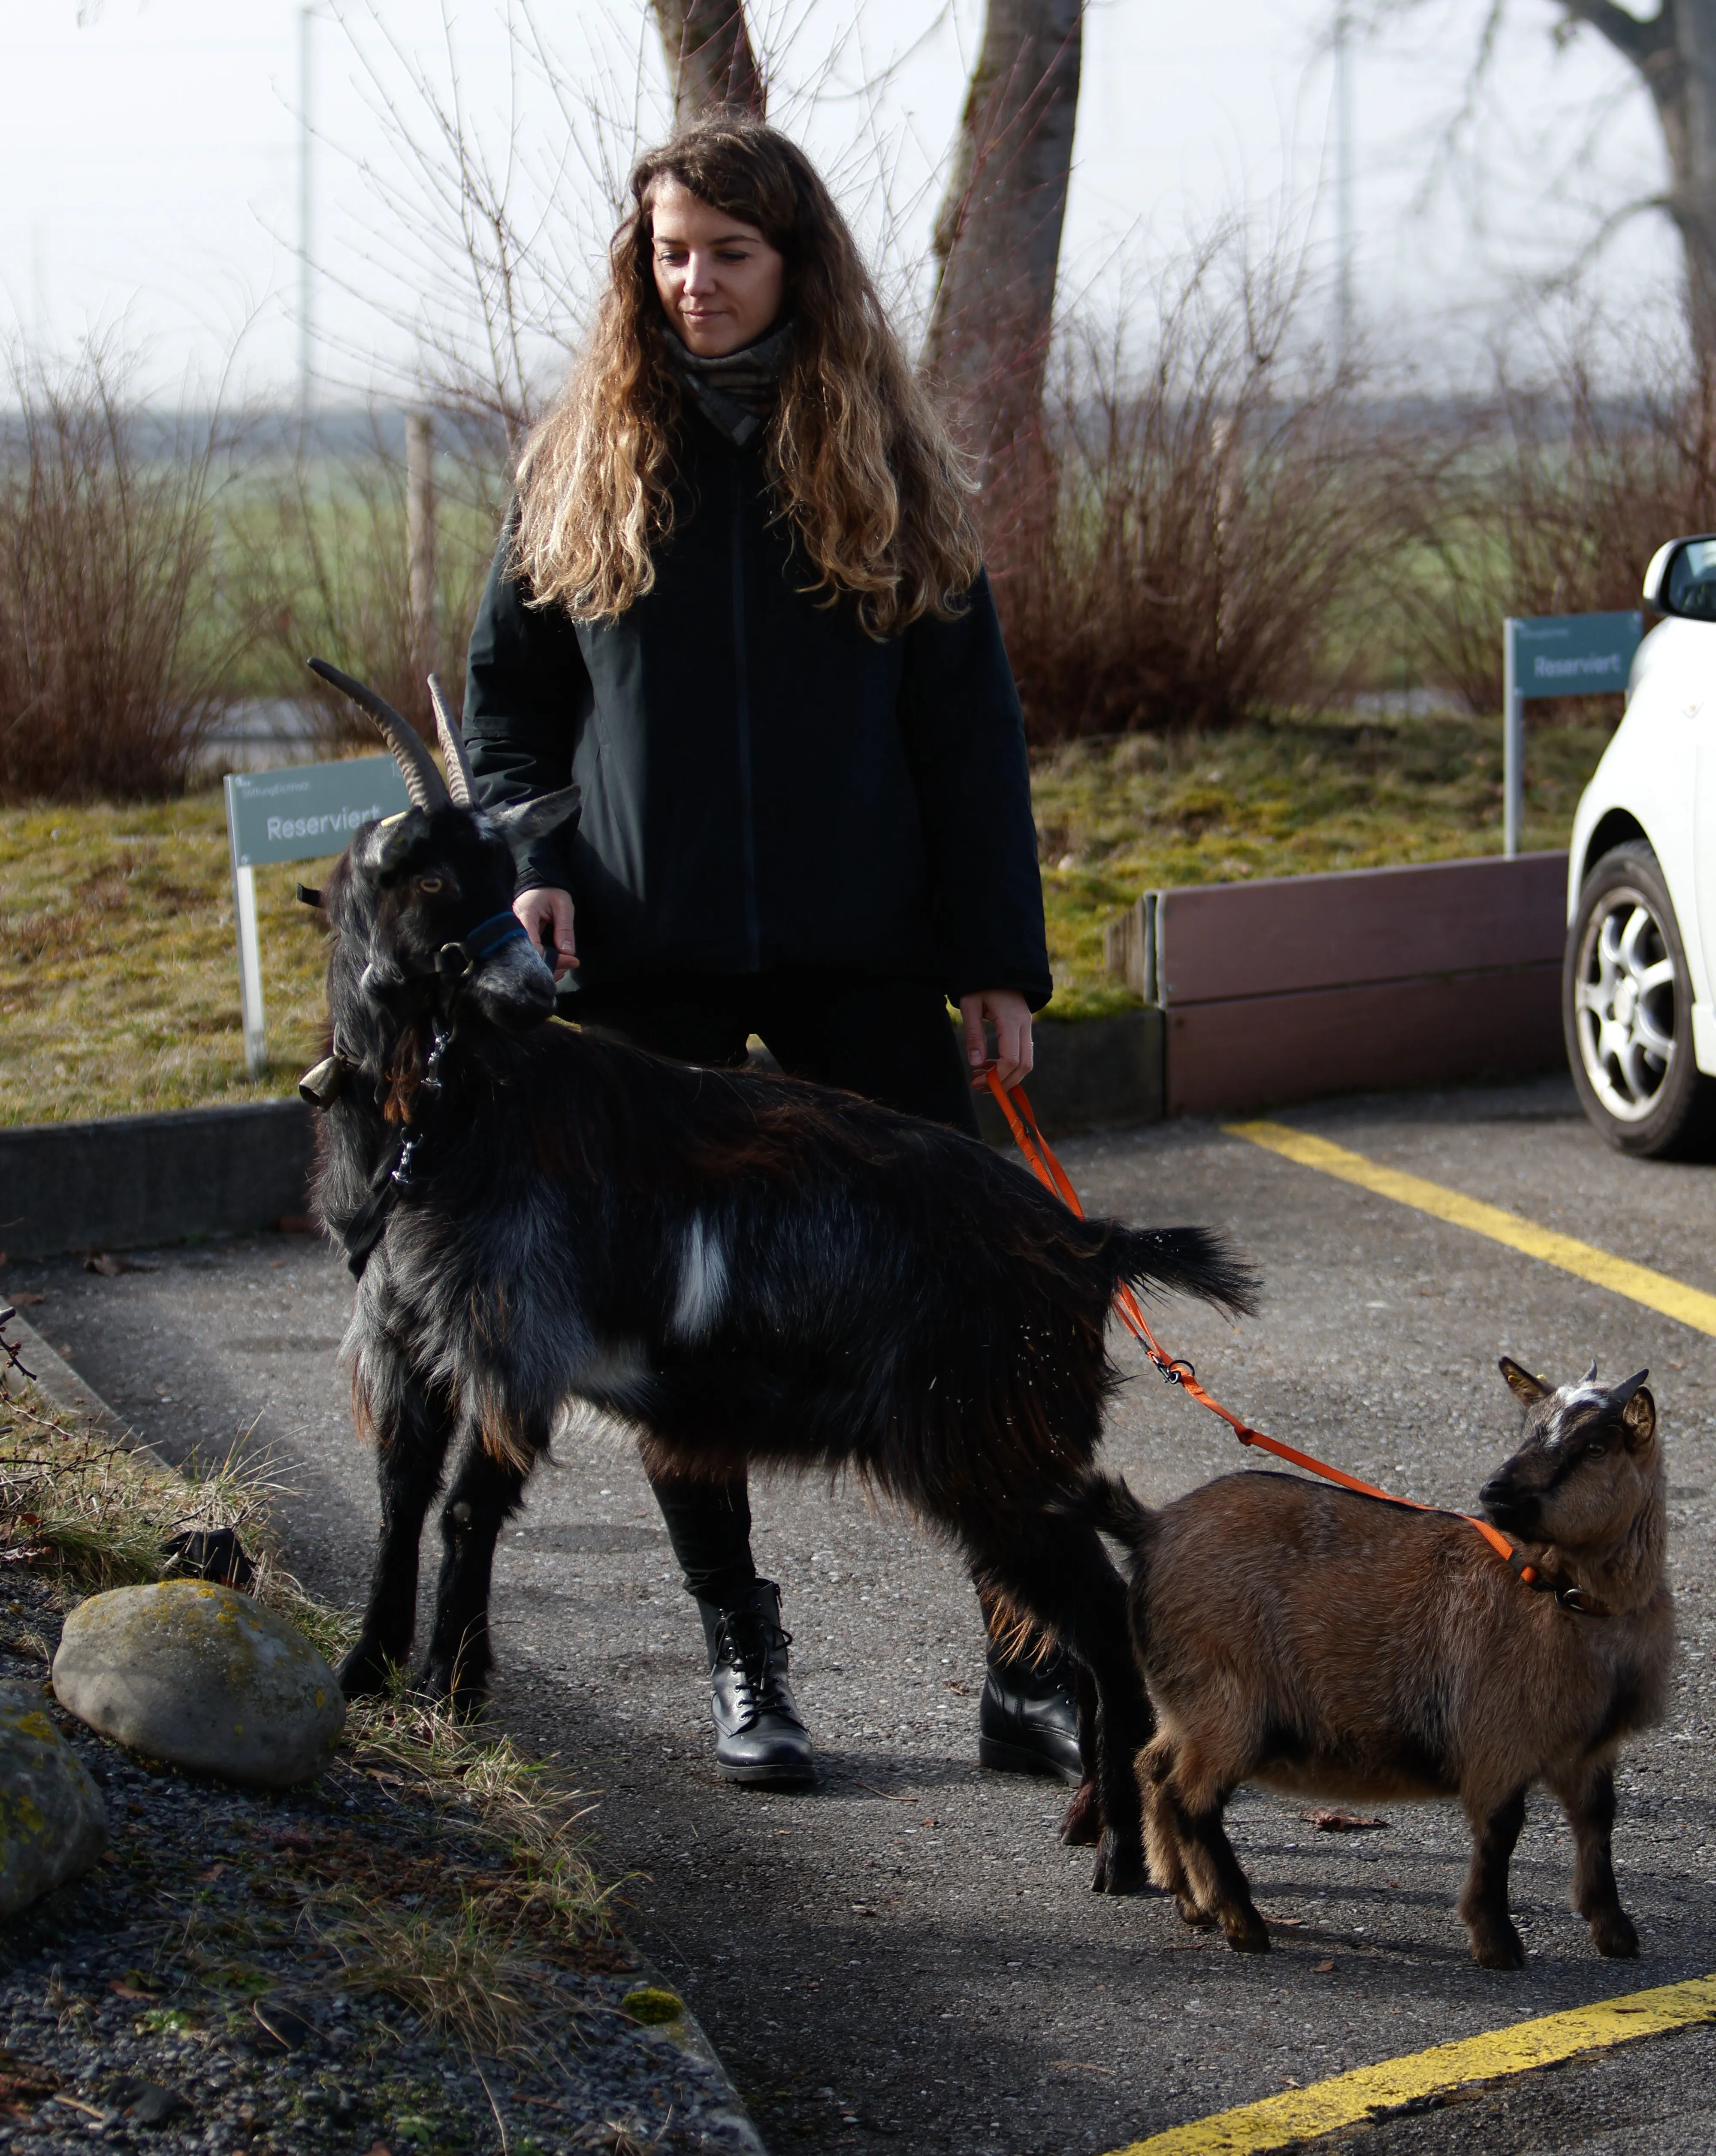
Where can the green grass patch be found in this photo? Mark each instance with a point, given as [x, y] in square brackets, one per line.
[119, 970]
[119, 985]
[1288, 797]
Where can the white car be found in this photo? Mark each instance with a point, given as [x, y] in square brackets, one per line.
[1638, 985]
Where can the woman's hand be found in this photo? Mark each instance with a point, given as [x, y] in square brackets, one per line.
[547, 917]
[1007, 1011]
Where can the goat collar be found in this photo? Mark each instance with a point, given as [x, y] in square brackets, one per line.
[394, 1177]
[1568, 1594]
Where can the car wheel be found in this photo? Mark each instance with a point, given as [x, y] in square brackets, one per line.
[1627, 1001]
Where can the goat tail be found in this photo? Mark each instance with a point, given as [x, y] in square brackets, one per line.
[1104, 1502]
[1185, 1261]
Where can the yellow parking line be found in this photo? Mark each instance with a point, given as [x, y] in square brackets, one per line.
[1349, 2099]
[1673, 1298]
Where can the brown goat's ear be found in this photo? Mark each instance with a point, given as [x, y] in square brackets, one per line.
[1639, 1416]
[1521, 1382]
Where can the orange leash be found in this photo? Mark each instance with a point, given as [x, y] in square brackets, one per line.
[1048, 1172]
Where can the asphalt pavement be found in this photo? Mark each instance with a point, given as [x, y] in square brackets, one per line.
[906, 1954]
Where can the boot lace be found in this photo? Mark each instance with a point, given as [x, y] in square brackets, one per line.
[749, 1644]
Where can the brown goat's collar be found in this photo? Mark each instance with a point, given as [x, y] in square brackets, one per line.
[1568, 1594]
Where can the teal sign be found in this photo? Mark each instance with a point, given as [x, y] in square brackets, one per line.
[315, 808]
[1575, 655]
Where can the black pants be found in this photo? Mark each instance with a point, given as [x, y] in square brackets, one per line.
[888, 1039]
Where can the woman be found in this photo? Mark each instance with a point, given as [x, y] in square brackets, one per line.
[740, 598]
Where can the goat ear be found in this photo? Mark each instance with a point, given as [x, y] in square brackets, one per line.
[520, 821]
[1521, 1382]
[1638, 1411]
[392, 842]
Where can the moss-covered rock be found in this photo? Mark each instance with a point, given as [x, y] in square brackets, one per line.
[203, 1676]
[53, 1823]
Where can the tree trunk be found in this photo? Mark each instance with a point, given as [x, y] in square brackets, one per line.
[710, 58]
[1674, 52]
[998, 238]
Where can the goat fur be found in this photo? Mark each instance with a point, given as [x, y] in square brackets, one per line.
[1330, 1645]
[741, 1267]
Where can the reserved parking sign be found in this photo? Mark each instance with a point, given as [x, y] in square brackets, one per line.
[295, 815]
[1573, 654]
[1555, 654]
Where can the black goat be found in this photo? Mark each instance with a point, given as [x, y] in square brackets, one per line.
[741, 1267]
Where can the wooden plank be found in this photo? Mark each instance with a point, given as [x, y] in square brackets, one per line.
[1263, 1051]
[1283, 934]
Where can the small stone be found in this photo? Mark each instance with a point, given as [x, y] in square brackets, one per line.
[53, 1822]
[156, 2106]
[202, 1676]
[281, 2026]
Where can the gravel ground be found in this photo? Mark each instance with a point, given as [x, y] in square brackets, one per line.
[905, 1955]
[202, 1987]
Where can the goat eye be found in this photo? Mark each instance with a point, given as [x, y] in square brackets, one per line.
[429, 883]
[1595, 1448]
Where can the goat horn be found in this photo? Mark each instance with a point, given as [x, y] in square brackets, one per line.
[423, 782]
[1624, 1392]
[461, 780]
[1591, 1375]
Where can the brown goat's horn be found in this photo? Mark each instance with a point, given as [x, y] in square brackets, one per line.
[422, 781]
[461, 780]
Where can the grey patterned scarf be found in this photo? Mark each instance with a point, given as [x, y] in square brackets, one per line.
[736, 392]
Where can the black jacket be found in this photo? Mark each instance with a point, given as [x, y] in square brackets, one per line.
[763, 784]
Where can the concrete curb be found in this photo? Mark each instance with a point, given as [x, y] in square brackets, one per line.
[53, 1376]
[134, 1181]
[140, 1182]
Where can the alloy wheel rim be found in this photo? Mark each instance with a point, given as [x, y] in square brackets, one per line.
[1624, 1005]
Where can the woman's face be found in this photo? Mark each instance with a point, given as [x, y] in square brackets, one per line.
[721, 282]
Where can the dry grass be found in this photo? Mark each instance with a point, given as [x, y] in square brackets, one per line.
[119, 977]
[88, 1514]
[475, 1956]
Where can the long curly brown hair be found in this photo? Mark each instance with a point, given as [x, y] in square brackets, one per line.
[858, 458]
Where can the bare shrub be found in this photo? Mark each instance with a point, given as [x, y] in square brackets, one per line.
[1548, 498]
[111, 650]
[320, 563]
[1194, 519]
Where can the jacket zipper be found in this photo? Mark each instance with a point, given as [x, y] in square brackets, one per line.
[741, 705]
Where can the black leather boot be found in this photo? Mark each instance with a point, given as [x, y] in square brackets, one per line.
[759, 1736]
[1027, 1720]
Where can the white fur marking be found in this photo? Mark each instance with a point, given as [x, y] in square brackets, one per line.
[703, 1282]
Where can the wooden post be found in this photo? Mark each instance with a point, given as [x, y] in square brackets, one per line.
[420, 537]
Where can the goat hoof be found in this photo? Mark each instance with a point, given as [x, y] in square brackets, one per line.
[1193, 1917]
[1119, 1870]
[366, 1672]
[1501, 1949]
[457, 1696]
[1247, 1933]
[1081, 1824]
[1613, 1935]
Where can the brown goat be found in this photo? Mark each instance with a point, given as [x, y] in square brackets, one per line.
[1332, 1646]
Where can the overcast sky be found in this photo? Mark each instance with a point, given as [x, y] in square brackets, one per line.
[149, 161]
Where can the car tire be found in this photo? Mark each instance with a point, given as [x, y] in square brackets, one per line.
[1626, 1000]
